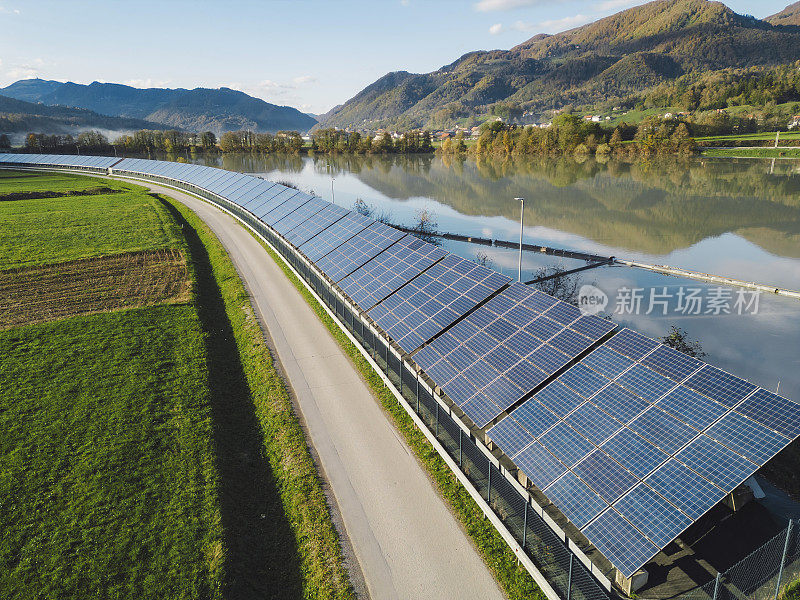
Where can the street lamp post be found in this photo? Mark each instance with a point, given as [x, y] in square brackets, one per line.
[333, 198]
[521, 222]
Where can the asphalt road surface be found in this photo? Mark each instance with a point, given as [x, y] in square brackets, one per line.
[406, 541]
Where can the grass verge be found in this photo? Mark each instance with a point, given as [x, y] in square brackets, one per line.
[512, 577]
[753, 152]
[276, 428]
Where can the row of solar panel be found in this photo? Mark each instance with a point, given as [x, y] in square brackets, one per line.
[614, 444]
[637, 441]
[96, 162]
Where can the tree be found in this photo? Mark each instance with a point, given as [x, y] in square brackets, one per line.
[208, 140]
[426, 227]
[678, 339]
[4, 141]
[558, 284]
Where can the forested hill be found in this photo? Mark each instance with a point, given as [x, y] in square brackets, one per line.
[788, 16]
[17, 116]
[200, 109]
[612, 58]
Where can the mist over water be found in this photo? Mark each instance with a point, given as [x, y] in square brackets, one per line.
[734, 217]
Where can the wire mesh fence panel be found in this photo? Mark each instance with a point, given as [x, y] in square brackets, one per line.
[395, 367]
[475, 465]
[584, 586]
[755, 577]
[409, 386]
[507, 504]
[547, 552]
[448, 434]
[427, 408]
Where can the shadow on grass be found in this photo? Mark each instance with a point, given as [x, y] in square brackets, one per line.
[262, 560]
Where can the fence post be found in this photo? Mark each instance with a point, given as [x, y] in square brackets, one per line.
[525, 526]
[569, 580]
[437, 420]
[460, 455]
[489, 487]
[783, 558]
[417, 392]
[716, 585]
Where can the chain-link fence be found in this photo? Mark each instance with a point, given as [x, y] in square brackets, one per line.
[765, 574]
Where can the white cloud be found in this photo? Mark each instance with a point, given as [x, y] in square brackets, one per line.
[304, 79]
[496, 28]
[9, 11]
[405, 2]
[146, 83]
[614, 4]
[552, 26]
[493, 5]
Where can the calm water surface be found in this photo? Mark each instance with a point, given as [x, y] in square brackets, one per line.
[739, 218]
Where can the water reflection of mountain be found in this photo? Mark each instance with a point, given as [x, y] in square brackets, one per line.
[647, 207]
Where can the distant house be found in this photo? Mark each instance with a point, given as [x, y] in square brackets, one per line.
[795, 122]
[445, 135]
[668, 115]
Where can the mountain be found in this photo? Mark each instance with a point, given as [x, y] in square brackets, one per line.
[200, 109]
[788, 16]
[18, 116]
[612, 58]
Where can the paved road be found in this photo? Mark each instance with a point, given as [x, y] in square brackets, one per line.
[405, 539]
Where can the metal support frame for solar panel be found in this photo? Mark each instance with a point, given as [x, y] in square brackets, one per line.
[710, 431]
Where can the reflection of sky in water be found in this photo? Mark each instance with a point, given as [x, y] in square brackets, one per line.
[764, 348]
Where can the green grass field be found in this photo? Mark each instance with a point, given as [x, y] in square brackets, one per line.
[49, 230]
[753, 152]
[153, 452]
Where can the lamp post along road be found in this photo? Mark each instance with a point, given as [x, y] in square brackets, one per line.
[333, 198]
[521, 223]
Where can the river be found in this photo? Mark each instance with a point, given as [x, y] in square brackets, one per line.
[733, 217]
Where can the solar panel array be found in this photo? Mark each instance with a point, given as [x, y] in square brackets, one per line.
[637, 441]
[497, 354]
[390, 270]
[435, 299]
[633, 443]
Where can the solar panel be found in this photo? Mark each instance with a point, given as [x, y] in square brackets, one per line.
[358, 250]
[435, 299]
[315, 224]
[298, 216]
[624, 545]
[285, 208]
[392, 268]
[539, 465]
[576, 500]
[334, 236]
[674, 434]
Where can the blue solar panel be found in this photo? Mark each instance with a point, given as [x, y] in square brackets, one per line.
[620, 542]
[691, 407]
[593, 423]
[685, 488]
[750, 439]
[675, 365]
[298, 216]
[631, 450]
[631, 344]
[662, 430]
[559, 398]
[645, 383]
[510, 436]
[575, 499]
[720, 386]
[539, 465]
[334, 236]
[315, 224]
[358, 250]
[607, 362]
[388, 271]
[620, 403]
[651, 514]
[776, 412]
[289, 206]
[583, 380]
[718, 464]
[566, 443]
[534, 417]
[604, 475]
[429, 297]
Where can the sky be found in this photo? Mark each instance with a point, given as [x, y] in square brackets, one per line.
[309, 54]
